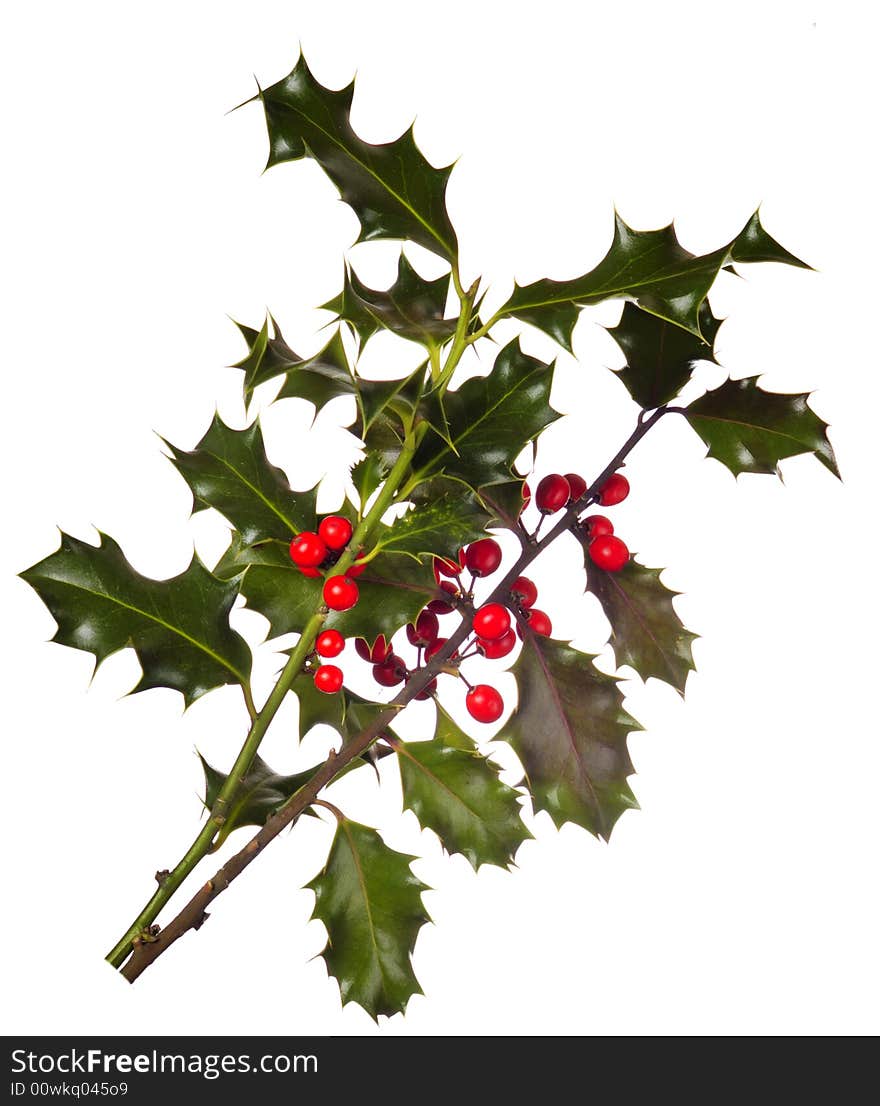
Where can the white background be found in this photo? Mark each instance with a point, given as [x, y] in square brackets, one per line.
[742, 897]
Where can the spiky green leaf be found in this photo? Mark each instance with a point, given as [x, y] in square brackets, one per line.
[259, 794]
[570, 732]
[367, 475]
[393, 190]
[440, 527]
[371, 905]
[750, 430]
[179, 628]
[229, 471]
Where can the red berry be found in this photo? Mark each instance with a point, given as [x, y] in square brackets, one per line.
[391, 672]
[614, 490]
[595, 526]
[357, 569]
[523, 591]
[526, 494]
[445, 567]
[335, 532]
[483, 557]
[441, 606]
[340, 593]
[539, 623]
[492, 621]
[311, 572]
[608, 552]
[425, 630]
[376, 653]
[493, 650]
[307, 550]
[484, 703]
[328, 678]
[552, 494]
[435, 647]
[330, 643]
[577, 486]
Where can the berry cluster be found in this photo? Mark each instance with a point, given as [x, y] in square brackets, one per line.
[556, 492]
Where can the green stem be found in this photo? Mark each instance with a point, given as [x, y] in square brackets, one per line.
[460, 339]
[203, 842]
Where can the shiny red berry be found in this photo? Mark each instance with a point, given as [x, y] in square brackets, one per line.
[484, 703]
[539, 623]
[425, 630]
[330, 643]
[435, 647]
[576, 485]
[491, 621]
[445, 567]
[500, 647]
[483, 557]
[340, 593]
[614, 490]
[328, 678]
[376, 653]
[552, 494]
[524, 591]
[307, 550]
[312, 573]
[594, 526]
[608, 552]
[335, 532]
[391, 672]
[357, 569]
[442, 606]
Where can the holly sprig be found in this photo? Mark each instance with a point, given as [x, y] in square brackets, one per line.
[408, 546]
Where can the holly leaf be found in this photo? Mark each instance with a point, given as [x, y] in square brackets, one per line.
[229, 471]
[321, 378]
[649, 267]
[504, 502]
[490, 419]
[646, 632]
[259, 794]
[371, 905]
[570, 732]
[347, 712]
[440, 527]
[412, 307]
[660, 356]
[179, 628]
[750, 430]
[367, 475]
[456, 792]
[392, 189]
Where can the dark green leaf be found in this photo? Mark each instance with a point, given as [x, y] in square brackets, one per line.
[321, 378]
[439, 528]
[179, 628]
[347, 713]
[456, 792]
[651, 268]
[660, 356]
[371, 904]
[504, 502]
[238, 555]
[367, 475]
[260, 793]
[392, 189]
[229, 471]
[646, 633]
[750, 430]
[391, 401]
[490, 420]
[570, 732]
[412, 307]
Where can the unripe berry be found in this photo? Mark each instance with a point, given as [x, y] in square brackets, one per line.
[376, 653]
[328, 679]
[307, 550]
[523, 591]
[329, 643]
[576, 486]
[500, 647]
[614, 490]
[608, 552]
[335, 532]
[539, 623]
[442, 606]
[425, 630]
[594, 526]
[484, 703]
[552, 494]
[391, 672]
[483, 557]
[491, 621]
[340, 593]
